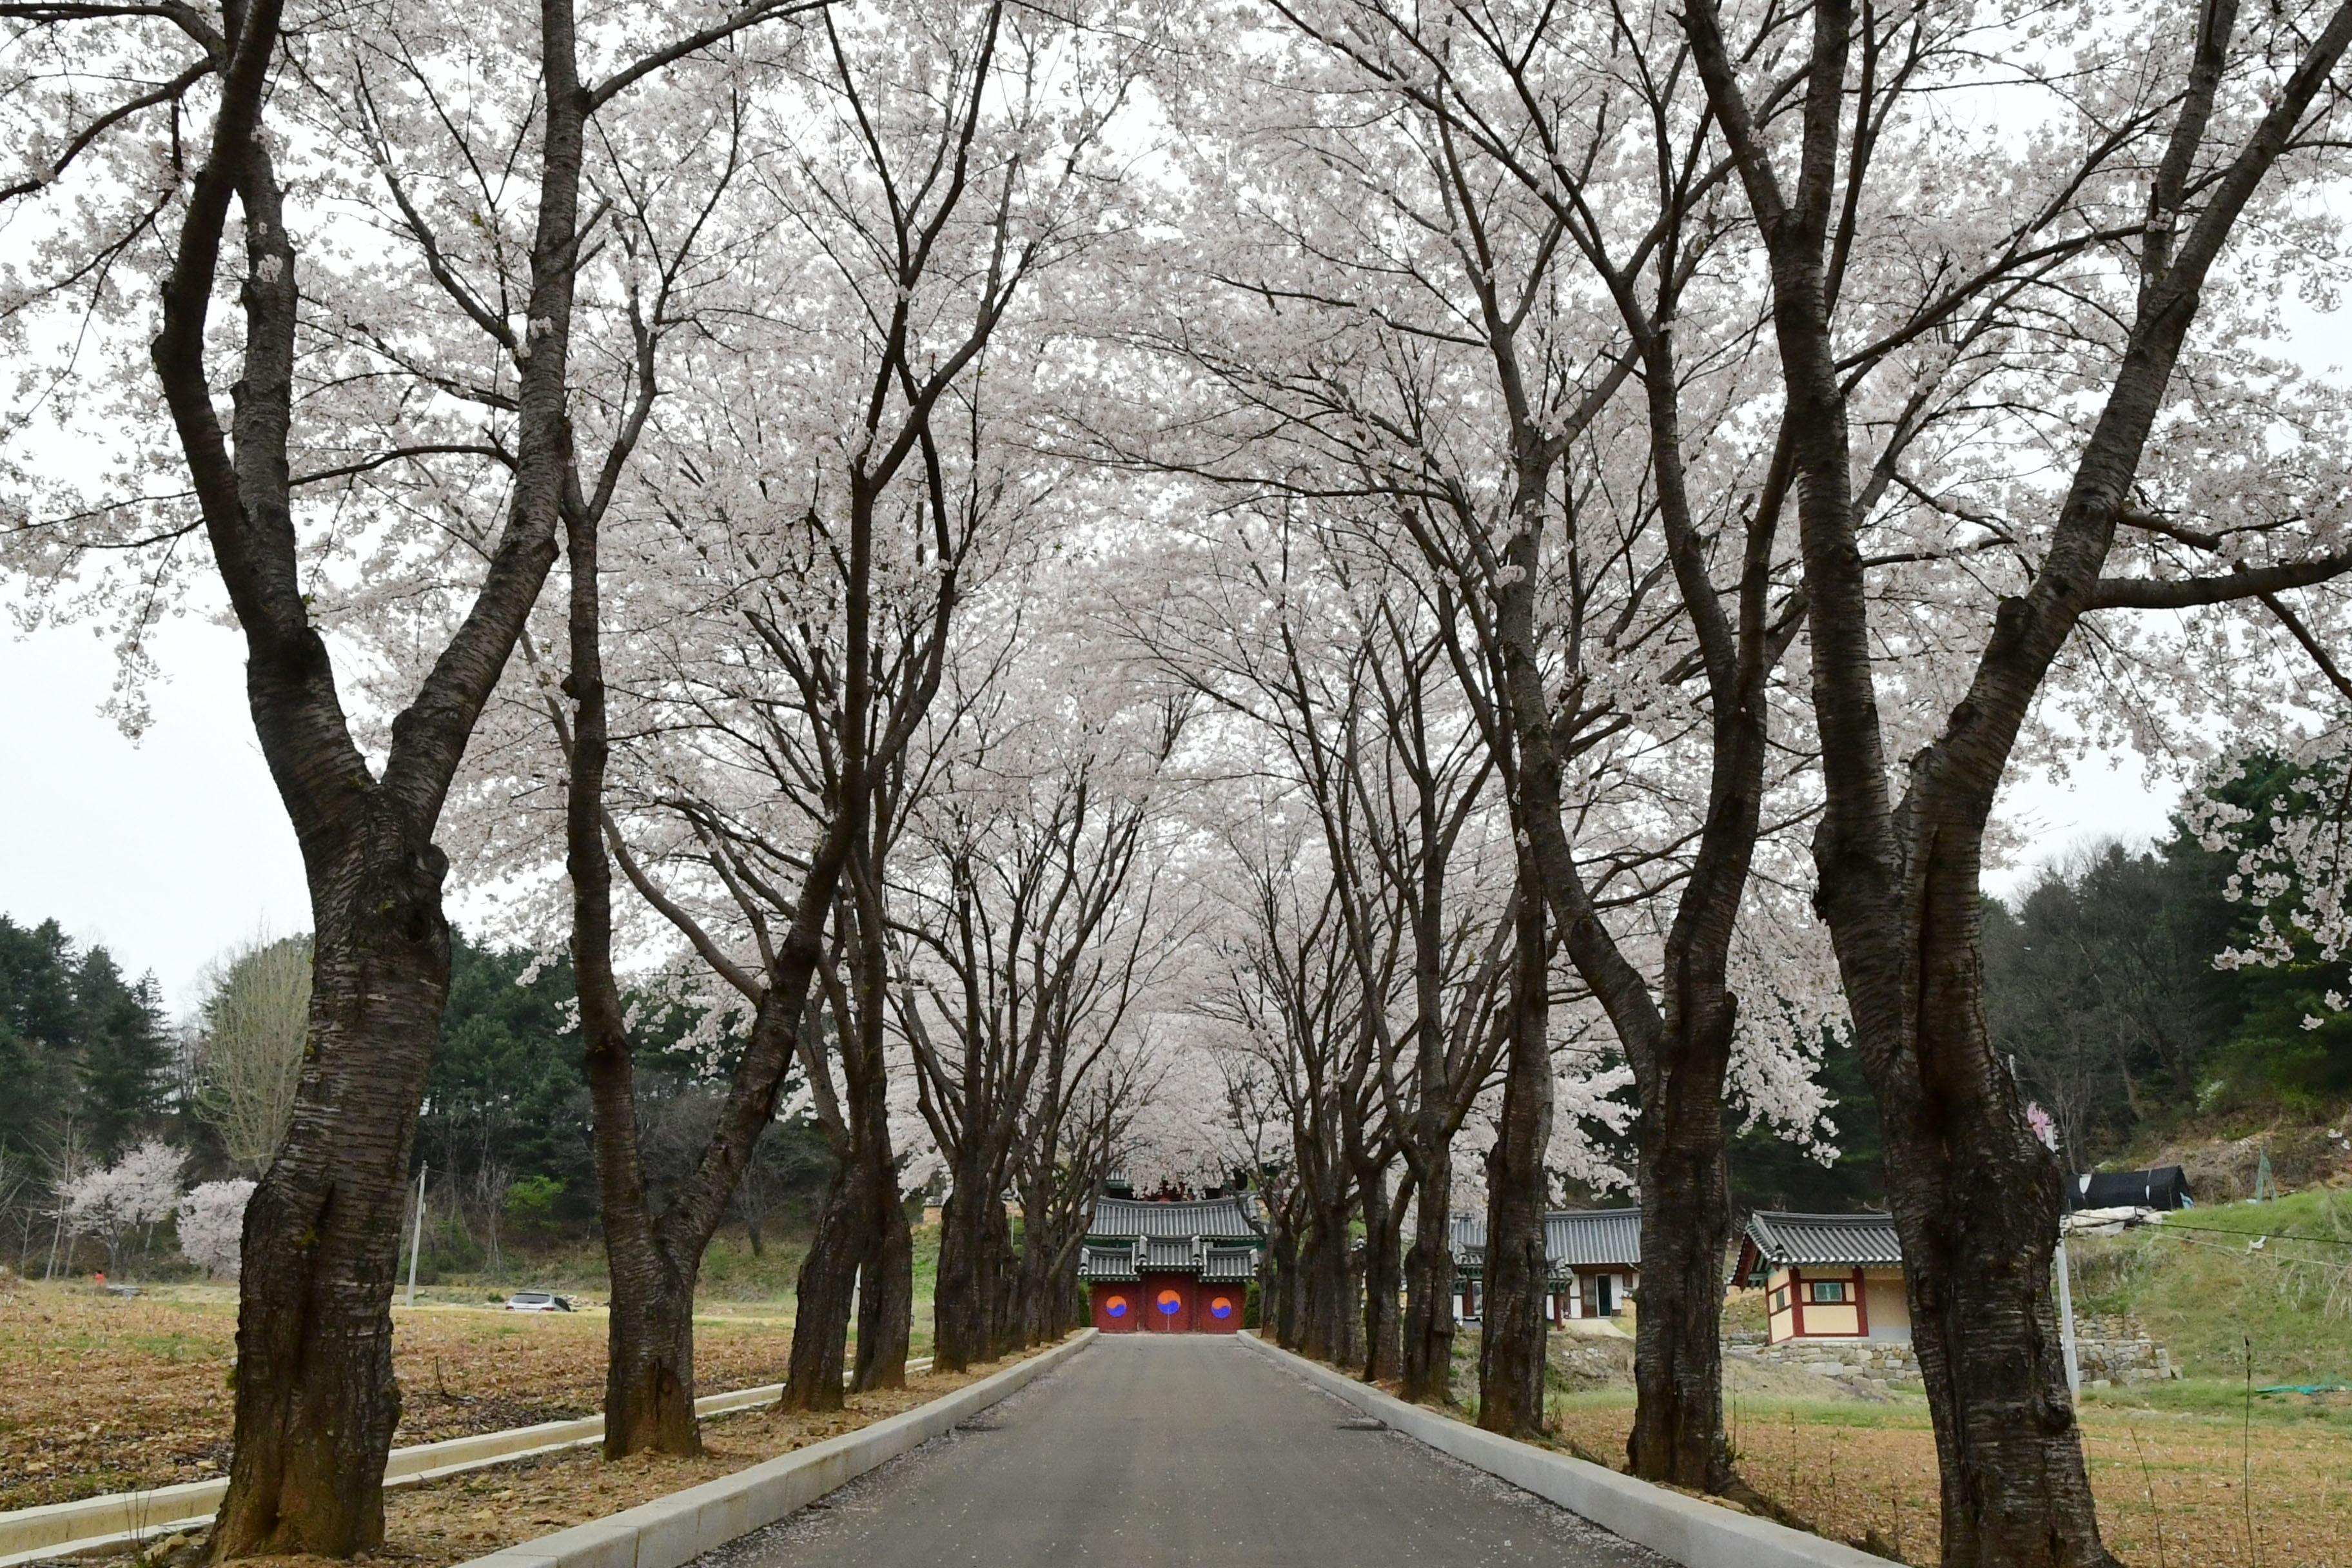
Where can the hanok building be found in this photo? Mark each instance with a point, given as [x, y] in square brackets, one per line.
[1171, 1267]
[1592, 1261]
[1826, 1275]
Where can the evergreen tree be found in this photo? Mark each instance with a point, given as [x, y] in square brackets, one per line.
[78, 1043]
[124, 1061]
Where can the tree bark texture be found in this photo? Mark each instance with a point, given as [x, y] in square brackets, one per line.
[1428, 1368]
[1328, 1322]
[973, 1243]
[1383, 1277]
[1685, 1226]
[1513, 1327]
[649, 1369]
[886, 1296]
[1279, 1304]
[316, 1401]
[817, 1367]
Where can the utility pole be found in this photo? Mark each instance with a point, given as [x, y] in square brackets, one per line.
[2067, 1320]
[416, 1244]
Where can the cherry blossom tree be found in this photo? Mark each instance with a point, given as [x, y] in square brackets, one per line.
[211, 1224]
[405, 273]
[1427, 317]
[2106, 227]
[1337, 664]
[1030, 920]
[124, 1200]
[763, 609]
[1289, 1053]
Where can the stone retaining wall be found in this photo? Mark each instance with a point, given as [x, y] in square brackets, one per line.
[2108, 1350]
[1879, 1362]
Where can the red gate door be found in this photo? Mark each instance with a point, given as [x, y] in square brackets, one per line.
[1168, 1304]
[1118, 1309]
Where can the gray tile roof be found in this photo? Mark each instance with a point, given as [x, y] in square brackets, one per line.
[1213, 1237]
[1108, 1263]
[1573, 1239]
[1220, 1219]
[1170, 1253]
[1851, 1241]
[1234, 1265]
[1593, 1238]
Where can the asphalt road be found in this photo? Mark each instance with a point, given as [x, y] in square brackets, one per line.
[1150, 1450]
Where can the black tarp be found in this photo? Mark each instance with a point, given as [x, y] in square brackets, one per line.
[2165, 1187]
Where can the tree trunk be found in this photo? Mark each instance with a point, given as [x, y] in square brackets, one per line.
[962, 1300]
[316, 1401]
[1004, 1329]
[1677, 1435]
[1383, 1282]
[886, 1301]
[649, 1373]
[1283, 1310]
[1037, 1307]
[1514, 1326]
[1324, 1327]
[828, 1277]
[1429, 1281]
[1978, 1273]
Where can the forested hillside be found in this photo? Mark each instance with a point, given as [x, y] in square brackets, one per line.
[2101, 980]
[85, 1052]
[94, 1068]
[2108, 984]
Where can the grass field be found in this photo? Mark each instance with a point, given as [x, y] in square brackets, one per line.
[2169, 1482]
[2224, 1307]
[102, 1394]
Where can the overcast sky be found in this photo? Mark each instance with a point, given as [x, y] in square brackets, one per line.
[171, 849]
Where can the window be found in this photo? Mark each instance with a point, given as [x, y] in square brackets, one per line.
[1826, 1293]
[1781, 1299]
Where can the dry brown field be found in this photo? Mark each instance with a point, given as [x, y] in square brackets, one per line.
[474, 1515]
[2171, 1485]
[101, 1393]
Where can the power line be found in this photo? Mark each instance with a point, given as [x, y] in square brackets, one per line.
[2246, 1234]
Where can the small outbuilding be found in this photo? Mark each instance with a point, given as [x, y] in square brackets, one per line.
[2165, 1187]
[1827, 1275]
[1170, 1267]
[1593, 1263]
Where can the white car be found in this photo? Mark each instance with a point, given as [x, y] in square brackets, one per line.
[537, 1302]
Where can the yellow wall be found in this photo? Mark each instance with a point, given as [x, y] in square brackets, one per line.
[1890, 1309]
[1826, 1321]
[1780, 1324]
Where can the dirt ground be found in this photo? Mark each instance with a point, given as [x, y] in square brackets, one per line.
[101, 1393]
[473, 1515]
[2169, 1484]
[1858, 1463]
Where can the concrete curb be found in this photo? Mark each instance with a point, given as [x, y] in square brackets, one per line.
[1693, 1533]
[121, 1519]
[676, 1528]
